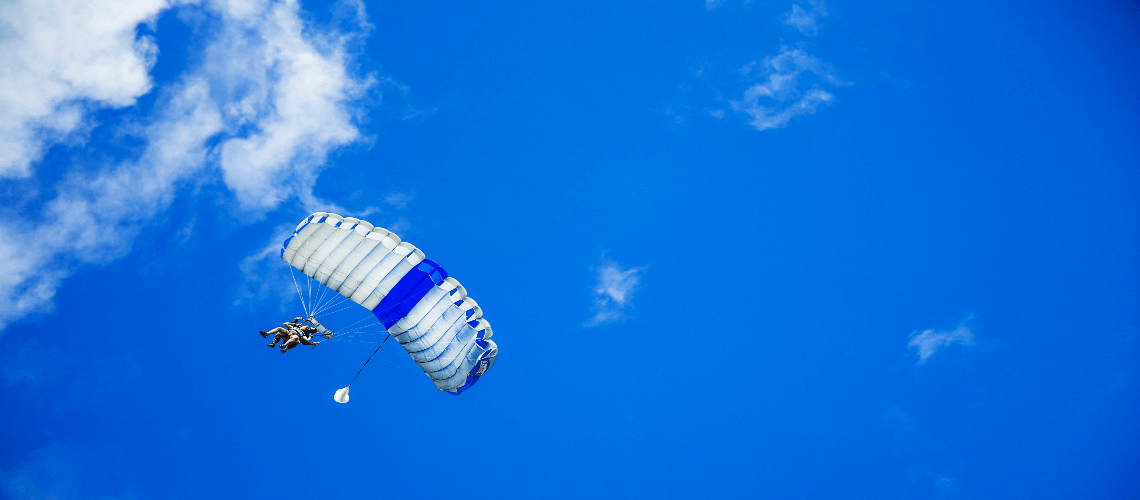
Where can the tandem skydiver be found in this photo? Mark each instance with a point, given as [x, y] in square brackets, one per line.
[296, 332]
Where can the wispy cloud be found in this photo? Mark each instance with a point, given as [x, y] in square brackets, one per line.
[271, 97]
[267, 278]
[47, 474]
[806, 20]
[790, 85]
[928, 342]
[286, 91]
[62, 59]
[613, 292]
[60, 471]
[946, 485]
[397, 199]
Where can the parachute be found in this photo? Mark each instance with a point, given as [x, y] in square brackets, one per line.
[341, 395]
[423, 308]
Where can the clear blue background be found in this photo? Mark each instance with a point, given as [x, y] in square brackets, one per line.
[981, 169]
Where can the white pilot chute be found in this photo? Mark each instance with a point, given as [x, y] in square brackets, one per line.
[341, 395]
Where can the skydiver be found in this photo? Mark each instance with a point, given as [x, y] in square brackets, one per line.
[303, 334]
[283, 333]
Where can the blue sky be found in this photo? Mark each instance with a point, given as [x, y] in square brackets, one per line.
[729, 249]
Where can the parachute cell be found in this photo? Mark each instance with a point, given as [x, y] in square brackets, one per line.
[427, 311]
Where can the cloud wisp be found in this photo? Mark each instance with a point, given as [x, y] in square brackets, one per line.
[806, 21]
[288, 94]
[62, 59]
[271, 97]
[263, 274]
[613, 292]
[790, 85]
[928, 342]
[781, 86]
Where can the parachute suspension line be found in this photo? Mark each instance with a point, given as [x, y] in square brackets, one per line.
[316, 305]
[332, 302]
[317, 302]
[358, 329]
[298, 287]
[369, 359]
[347, 330]
[316, 298]
[320, 299]
[338, 303]
[310, 289]
[343, 303]
[368, 317]
[334, 299]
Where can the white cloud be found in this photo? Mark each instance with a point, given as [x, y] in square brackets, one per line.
[613, 292]
[94, 217]
[712, 4]
[929, 341]
[790, 86]
[271, 97]
[397, 199]
[806, 21]
[400, 226]
[62, 58]
[288, 87]
[264, 274]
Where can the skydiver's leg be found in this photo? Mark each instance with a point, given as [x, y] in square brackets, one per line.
[289, 344]
[276, 332]
[281, 336]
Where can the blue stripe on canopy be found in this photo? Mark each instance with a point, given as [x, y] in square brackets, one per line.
[286, 245]
[408, 292]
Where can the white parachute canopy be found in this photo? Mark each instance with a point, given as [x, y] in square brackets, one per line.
[341, 395]
[427, 311]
